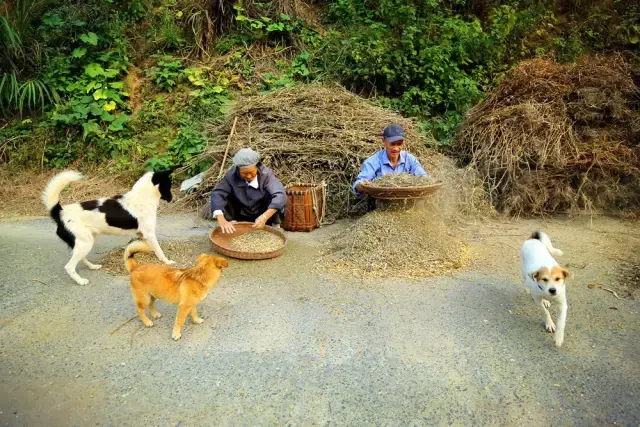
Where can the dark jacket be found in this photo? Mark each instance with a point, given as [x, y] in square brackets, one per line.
[233, 185]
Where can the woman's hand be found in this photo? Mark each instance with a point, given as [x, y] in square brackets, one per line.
[226, 226]
[260, 222]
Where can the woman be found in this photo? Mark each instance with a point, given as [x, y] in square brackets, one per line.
[248, 192]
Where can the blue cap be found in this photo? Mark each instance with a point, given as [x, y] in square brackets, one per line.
[393, 133]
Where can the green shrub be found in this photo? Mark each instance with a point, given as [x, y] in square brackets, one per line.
[425, 61]
[167, 73]
[208, 94]
[166, 32]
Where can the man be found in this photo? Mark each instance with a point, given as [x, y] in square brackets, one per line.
[248, 192]
[393, 159]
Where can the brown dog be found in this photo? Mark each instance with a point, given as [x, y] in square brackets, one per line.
[182, 287]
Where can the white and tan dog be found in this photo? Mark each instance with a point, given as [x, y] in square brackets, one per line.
[129, 214]
[545, 280]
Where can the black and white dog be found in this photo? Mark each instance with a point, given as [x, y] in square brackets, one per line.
[129, 214]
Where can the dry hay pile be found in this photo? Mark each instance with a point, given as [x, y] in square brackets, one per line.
[555, 137]
[315, 133]
[394, 243]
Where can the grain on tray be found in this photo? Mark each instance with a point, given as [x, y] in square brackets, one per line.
[402, 180]
[256, 241]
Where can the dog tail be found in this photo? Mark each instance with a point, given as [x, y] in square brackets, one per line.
[51, 199]
[132, 249]
[545, 240]
[51, 193]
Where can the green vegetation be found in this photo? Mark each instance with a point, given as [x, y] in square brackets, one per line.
[133, 83]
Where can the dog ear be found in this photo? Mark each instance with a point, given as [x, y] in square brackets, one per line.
[162, 181]
[535, 275]
[221, 263]
[566, 273]
[161, 176]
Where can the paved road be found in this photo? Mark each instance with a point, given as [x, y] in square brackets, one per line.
[282, 344]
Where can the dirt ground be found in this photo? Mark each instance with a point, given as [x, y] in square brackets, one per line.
[284, 343]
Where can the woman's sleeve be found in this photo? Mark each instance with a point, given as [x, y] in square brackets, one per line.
[220, 193]
[276, 190]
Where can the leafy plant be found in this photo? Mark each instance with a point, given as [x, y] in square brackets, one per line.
[425, 67]
[300, 65]
[271, 81]
[20, 85]
[443, 128]
[16, 31]
[166, 31]
[208, 95]
[266, 28]
[167, 73]
[238, 62]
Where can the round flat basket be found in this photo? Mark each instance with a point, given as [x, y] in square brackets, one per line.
[222, 242]
[400, 193]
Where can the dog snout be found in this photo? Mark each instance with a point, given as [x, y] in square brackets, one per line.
[552, 291]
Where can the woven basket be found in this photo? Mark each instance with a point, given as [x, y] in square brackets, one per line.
[305, 206]
[222, 242]
[400, 193]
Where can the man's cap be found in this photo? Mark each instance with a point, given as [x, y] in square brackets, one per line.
[393, 133]
[246, 157]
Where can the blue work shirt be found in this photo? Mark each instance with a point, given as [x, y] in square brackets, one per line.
[379, 165]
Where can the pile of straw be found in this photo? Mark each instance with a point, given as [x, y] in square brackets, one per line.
[315, 133]
[394, 243]
[555, 137]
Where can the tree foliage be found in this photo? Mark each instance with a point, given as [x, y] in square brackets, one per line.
[65, 67]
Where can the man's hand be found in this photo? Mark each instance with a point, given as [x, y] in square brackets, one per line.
[260, 222]
[226, 226]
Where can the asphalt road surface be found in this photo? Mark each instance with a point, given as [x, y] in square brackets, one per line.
[283, 343]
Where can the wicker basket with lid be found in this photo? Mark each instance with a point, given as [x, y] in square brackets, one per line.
[305, 206]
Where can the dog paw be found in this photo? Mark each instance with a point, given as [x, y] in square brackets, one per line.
[148, 323]
[82, 281]
[170, 262]
[156, 315]
[198, 321]
[550, 327]
[559, 339]
[546, 303]
[176, 335]
[95, 266]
